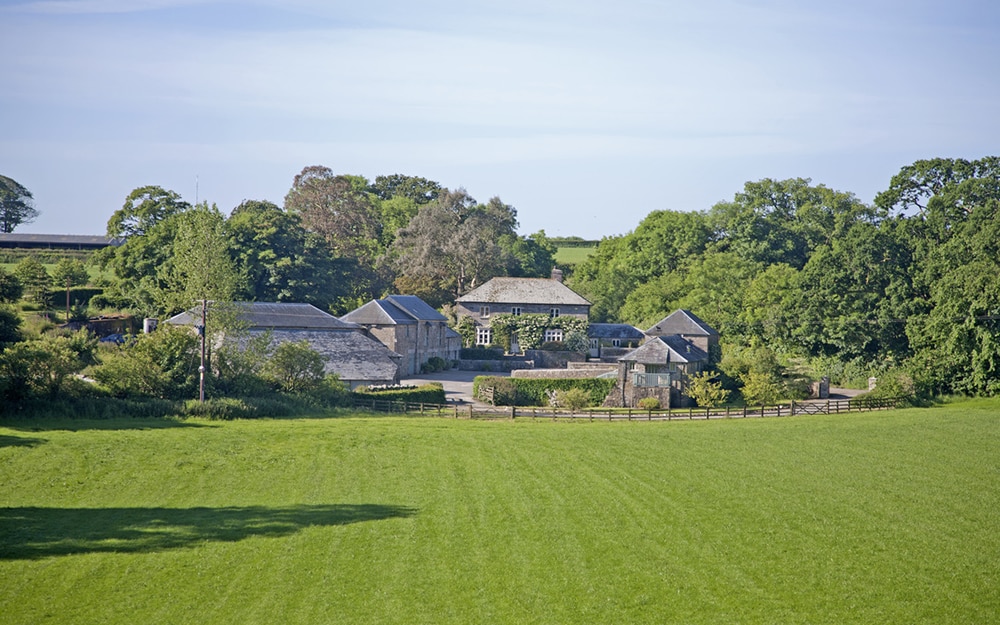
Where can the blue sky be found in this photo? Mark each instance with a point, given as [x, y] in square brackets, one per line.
[584, 115]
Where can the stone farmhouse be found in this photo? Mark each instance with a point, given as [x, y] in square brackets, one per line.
[410, 327]
[345, 347]
[521, 296]
[677, 347]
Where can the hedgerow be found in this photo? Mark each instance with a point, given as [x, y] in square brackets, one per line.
[531, 391]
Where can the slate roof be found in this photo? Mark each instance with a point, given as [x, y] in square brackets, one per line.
[524, 291]
[683, 322]
[273, 315]
[660, 350]
[351, 355]
[394, 310]
[614, 331]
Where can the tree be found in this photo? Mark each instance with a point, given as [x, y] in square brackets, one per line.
[295, 367]
[280, 260]
[706, 391]
[338, 208]
[38, 367]
[10, 326]
[70, 272]
[660, 245]
[144, 208]
[452, 246]
[782, 221]
[16, 205]
[35, 278]
[200, 266]
[11, 288]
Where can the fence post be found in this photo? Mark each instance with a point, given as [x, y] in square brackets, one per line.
[793, 407]
[513, 412]
[744, 411]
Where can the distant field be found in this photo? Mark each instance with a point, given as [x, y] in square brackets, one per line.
[573, 255]
[95, 272]
[887, 517]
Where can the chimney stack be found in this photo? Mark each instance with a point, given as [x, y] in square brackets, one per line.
[557, 274]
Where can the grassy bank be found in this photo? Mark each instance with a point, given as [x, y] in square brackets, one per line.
[862, 518]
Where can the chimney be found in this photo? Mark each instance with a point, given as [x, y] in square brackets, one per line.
[557, 274]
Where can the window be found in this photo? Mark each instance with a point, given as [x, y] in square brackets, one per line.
[616, 342]
[516, 311]
[595, 343]
[484, 336]
[553, 335]
[484, 311]
[553, 312]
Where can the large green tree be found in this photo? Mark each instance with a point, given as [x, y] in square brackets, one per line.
[658, 246]
[949, 213]
[281, 261]
[452, 246]
[144, 208]
[16, 205]
[783, 221]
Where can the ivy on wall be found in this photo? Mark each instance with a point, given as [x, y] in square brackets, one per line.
[530, 329]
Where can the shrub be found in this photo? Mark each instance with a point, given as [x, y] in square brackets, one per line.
[573, 398]
[761, 389]
[705, 390]
[532, 391]
[649, 403]
[295, 367]
[426, 394]
[435, 364]
[224, 408]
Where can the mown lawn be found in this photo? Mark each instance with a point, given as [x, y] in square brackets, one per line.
[888, 517]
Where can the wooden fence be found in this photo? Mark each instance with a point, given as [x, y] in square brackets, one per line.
[470, 411]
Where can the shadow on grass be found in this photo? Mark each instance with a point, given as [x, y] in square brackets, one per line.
[20, 441]
[43, 424]
[32, 533]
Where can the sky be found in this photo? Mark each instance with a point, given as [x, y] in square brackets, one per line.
[584, 115]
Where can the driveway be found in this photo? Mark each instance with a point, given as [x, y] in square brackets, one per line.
[457, 384]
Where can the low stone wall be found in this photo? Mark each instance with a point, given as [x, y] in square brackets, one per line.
[545, 359]
[505, 364]
[557, 374]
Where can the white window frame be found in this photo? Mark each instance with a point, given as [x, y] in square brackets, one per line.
[517, 311]
[553, 335]
[484, 312]
[553, 312]
[484, 336]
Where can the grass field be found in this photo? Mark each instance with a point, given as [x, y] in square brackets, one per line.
[887, 517]
[573, 255]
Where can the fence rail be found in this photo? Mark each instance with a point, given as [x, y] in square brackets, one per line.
[470, 411]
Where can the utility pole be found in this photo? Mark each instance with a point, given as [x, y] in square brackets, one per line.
[201, 369]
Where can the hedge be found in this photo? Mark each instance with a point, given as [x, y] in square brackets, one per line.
[426, 394]
[531, 391]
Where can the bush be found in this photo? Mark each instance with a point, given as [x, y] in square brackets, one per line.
[426, 394]
[224, 408]
[573, 398]
[435, 364]
[649, 403]
[705, 391]
[532, 391]
[891, 385]
[295, 367]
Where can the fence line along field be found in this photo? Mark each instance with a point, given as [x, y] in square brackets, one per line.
[880, 517]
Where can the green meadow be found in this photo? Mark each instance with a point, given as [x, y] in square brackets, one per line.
[573, 255]
[885, 517]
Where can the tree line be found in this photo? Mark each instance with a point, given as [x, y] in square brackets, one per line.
[908, 285]
[337, 242]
